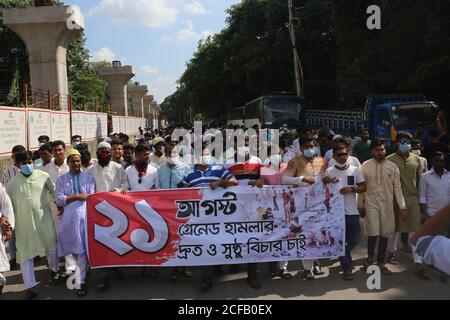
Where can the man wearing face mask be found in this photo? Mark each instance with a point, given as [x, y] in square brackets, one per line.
[158, 158]
[410, 172]
[7, 176]
[171, 174]
[75, 141]
[246, 169]
[109, 176]
[352, 182]
[206, 174]
[305, 170]
[35, 231]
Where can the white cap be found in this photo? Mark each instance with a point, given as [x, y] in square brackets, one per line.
[337, 137]
[103, 144]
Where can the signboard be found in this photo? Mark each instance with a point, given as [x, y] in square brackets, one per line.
[90, 126]
[60, 126]
[78, 124]
[102, 125]
[116, 124]
[13, 130]
[39, 124]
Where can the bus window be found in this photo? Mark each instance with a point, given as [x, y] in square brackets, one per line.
[281, 110]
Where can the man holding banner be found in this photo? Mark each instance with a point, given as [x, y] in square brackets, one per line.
[207, 174]
[108, 176]
[72, 191]
[304, 170]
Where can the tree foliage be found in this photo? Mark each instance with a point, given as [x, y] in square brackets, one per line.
[343, 61]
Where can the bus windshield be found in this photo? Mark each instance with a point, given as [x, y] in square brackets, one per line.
[280, 110]
[412, 116]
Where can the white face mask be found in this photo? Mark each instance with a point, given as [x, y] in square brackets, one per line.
[173, 160]
[208, 160]
[275, 160]
[243, 151]
[416, 152]
[342, 166]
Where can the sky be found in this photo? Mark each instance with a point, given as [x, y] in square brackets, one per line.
[156, 37]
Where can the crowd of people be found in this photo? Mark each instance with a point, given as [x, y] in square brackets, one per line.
[43, 194]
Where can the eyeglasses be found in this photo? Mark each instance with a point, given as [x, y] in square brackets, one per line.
[404, 142]
[341, 154]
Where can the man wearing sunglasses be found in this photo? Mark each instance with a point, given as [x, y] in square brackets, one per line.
[142, 176]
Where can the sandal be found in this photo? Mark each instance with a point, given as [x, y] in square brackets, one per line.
[273, 268]
[392, 259]
[367, 263]
[82, 291]
[422, 275]
[187, 274]
[173, 275]
[347, 276]
[384, 270]
[284, 274]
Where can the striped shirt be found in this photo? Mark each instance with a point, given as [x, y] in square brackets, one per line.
[204, 179]
[9, 173]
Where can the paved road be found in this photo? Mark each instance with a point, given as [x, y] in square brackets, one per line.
[402, 285]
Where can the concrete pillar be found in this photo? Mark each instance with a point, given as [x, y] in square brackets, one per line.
[154, 105]
[147, 100]
[47, 33]
[137, 94]
[117, 78]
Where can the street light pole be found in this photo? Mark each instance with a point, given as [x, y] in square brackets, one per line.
[297, 63]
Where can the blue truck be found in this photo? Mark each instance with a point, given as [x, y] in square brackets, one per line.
[383, 115]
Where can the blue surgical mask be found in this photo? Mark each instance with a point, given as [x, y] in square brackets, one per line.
[309, 153]
[316, 150]
[26, 169]
[76, 144]
[405, 147]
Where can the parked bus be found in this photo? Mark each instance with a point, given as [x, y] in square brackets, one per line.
[270, 112]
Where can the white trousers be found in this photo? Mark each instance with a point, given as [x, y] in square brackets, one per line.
[2, 279]
[393, 244]
[308, 264]
[27, 268]
[81, 268]
[70, 263]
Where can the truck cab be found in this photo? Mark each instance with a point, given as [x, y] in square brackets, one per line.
[389, 114]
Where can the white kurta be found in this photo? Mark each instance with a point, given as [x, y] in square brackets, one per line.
[6, 211]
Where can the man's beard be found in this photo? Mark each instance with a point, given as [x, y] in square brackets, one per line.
[104, 161]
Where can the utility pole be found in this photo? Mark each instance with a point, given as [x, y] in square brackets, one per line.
[297, 63]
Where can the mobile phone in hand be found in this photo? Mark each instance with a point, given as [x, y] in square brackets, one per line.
[351, 180]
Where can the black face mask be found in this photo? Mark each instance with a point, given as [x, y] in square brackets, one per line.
[102, 161]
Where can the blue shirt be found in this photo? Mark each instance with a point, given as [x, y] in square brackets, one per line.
[204, 179]
[171, 176]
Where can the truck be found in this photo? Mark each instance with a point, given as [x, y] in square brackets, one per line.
[383, 115]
